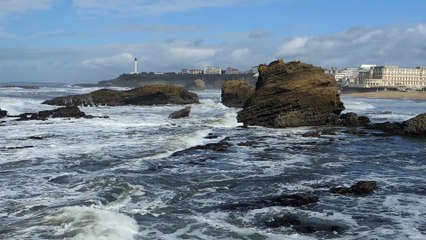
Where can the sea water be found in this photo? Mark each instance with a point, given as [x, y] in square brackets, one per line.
[116, 177]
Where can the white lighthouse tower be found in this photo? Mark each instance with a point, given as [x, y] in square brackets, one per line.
[136, 66]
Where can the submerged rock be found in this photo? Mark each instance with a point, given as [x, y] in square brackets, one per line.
[361, 188]
[181, 113]
[3, 113]
[293, 200]
[236, 92]
[221, 146]
[63, 112]
[155, 94]
[290, 95]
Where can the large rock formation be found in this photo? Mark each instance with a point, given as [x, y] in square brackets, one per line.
[236, 92]
[290, 95]
[146, 95]
[415, 127]
[63, 112]
[3, 113]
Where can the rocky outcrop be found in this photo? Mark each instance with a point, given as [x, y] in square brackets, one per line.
[413, 127]
[236, 92]
[361, 188]
[146, 95]
[180, 113]
[292, 200]
[3, 113]
[63, 112]
[290, 95]
[221, 146]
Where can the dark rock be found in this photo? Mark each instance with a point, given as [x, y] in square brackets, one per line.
[352, 119]
[3, 113]
[211, 136]
[361, 188]
[36, 138]
[356, 131]
[146, 95]
[181, 113]
[293, 200]
[290, 95]
[63, 112]
[311, 134]
[236, 92]
[415, 126]
[248, 143]
[221, 146]
[304, 225]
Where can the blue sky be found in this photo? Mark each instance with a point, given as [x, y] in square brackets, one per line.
[93, 40]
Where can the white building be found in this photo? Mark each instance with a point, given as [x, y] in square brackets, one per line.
[212, 70]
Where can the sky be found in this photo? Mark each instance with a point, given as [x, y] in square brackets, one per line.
[85, 41]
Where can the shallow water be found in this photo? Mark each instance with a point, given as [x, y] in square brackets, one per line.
[116, 179]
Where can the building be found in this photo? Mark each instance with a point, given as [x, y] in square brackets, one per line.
[347, 76]
[231, 70]
[394, 76]
[184, 71]
[195, 71]
[135, 67]
[212, 70]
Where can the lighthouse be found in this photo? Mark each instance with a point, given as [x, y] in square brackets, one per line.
[136, 66]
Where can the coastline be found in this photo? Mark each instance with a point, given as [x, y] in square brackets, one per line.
[389, 95]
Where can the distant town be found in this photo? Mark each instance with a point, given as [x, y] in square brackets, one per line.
[364, 76]
[372, 76]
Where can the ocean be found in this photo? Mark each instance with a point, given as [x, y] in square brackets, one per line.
[116, 178]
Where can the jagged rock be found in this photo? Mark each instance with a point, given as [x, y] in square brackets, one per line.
[361, 188]
[351, 119]
[3, 113]
[147, 95]
[236, 92]
[293, 200]
[290, 95]
[63, 112]
[221, 146]
[414, 127]
[181, 113]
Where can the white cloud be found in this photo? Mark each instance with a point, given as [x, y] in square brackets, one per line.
[293, 46]
[396, 45]
[110, 61]
[240, 54]
[191, 53]
[9, 7]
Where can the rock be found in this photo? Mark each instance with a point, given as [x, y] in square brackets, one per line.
[3, 113]
[221, 146]
[181, 113]
[293, 200]
[63, 112]
[305, 225]
[290, 95]
[312, 134]
[356, 131]
[236, 92]
[361, 188]
[197, 84]
[415, 126]
[211, 136]
[155, 94]
[352, 119]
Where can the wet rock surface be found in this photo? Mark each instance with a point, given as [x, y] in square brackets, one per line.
[180, 113]
[221, 146]
[3, 113]
[236, 92]
[293, 200]
[361, 188]
[63, 112]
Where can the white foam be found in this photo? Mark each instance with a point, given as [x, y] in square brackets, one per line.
[92, 223]
[356, 106]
